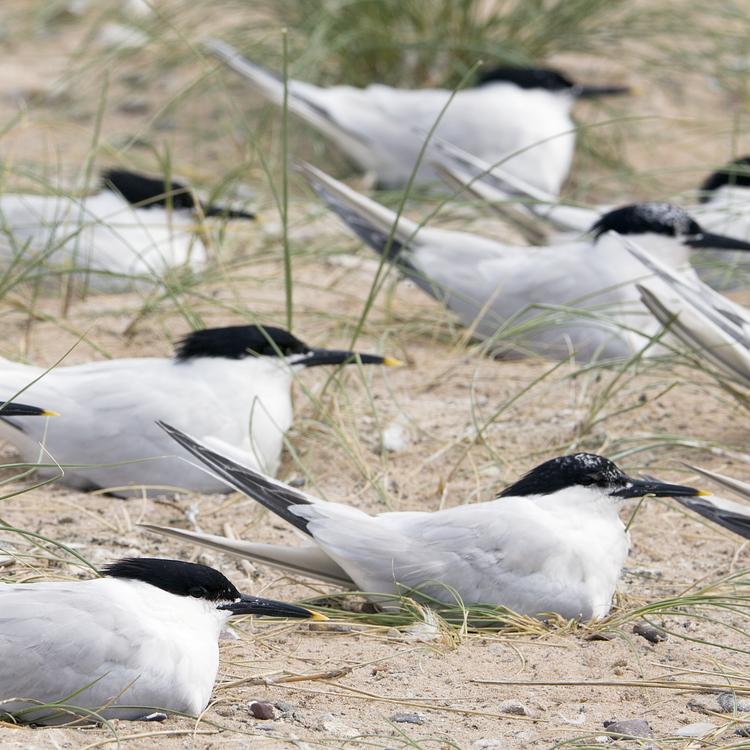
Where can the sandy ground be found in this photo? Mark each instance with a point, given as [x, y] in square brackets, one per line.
[360, 681]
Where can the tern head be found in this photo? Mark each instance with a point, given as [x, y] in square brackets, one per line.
[200, 582]
[239, 342]
[736, 174]
[663, 223]
[593, 472]
[546, 79]
[148, 192]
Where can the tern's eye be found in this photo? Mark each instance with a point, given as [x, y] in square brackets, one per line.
[198, 592]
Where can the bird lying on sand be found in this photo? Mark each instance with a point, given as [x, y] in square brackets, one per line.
[575, 298]
[522, 114]
[231, 386]
[137, 643]
[551, 542]
[135, 229]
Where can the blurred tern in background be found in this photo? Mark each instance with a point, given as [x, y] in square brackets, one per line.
[724, 207]
[522, 114]
[551, 542]
[140, 641]
[231, 386]
[555, 300]
[135, 226]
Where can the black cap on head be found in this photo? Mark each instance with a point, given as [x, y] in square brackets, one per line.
[176, 577]
[527, 78]
[737, 172]
[147, 192]
[590, 470]
[579, 469]
[645, 218]
[237, 342]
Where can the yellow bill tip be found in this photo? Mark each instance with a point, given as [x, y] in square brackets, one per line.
[704, 493]
[392, 362]
[317, 617]
[49, 413]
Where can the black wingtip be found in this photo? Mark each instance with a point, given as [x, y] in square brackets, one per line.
[273, 495]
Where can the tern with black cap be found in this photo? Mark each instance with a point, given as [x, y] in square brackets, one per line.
[513, 113]
[573, 298]
[551, 542]
[724, 206]
[142, 640]
[230, 385]
[133, 230]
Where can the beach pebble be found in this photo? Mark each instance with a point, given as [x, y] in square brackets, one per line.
[700, 729]
[261, 710]
[626, 728]
[337, 728]
[649, 632]
[514, 708]
[407, 718]
[731, 703]
[395, 438]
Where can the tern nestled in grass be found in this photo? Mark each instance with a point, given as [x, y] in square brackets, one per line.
[724, 206]
[231, 386]
[573, 298]
[518, 114]
[139, 642]
[135, 228]
[551, 542]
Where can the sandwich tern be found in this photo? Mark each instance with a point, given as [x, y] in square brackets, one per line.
[575, 297]
[518, 114]
[551, 542]
[240, 375]
[724, 206]
[135, 226]
[141, 640]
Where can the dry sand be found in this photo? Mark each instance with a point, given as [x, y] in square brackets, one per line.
[356, 677]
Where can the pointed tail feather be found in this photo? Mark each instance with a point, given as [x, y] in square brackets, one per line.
[726, 513]
[735, 485]
[270, 493]
[309, 560]
[370, 221]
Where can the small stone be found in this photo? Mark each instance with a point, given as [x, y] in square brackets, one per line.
[514, 708]
[134, 106]
[599, 636]
[743, 731]
[296, 481]
[407, 718]
[698, 706]
[285, 708]
[730, 703]
[261, 710]
[265, 727]
[700, 729]
[649, 632]
[338, 728]
[490, 743]
[628, 728]
[602, 739]
[395, 438]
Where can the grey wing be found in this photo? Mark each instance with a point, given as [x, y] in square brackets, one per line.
[472, 555]
[51, 648]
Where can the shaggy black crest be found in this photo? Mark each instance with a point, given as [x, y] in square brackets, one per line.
[736, 172]
[146, 192]
[526, 78]
[643, 218]
[236, 342]
[579, 469]
[176, 577]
